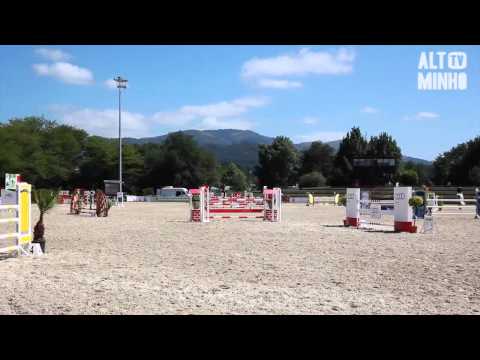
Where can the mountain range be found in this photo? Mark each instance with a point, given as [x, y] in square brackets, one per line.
[238, 146]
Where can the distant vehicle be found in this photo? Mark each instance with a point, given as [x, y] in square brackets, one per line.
[169, 192]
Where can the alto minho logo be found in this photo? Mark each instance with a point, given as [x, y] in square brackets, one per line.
[441, 70]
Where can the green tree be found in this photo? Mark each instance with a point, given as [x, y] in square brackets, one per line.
[181, 162]
[153, 155]
[234, 177]
[41, 150]
[278, 163]
[98, 162]
[132, 163]
[475, 175]
[313, 179]
[382, 146]
[455, 166]
[423, 171]
[318, 157]
[408, 177]
[353, 145]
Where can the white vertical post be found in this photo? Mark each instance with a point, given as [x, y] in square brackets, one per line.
[403, 212]
[352, 207]
[207, 203]
[279, 204]
[19, 217]
[202, 204]
[190, 207]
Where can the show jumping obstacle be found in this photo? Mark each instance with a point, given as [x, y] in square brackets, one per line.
[268, 208]
[365, 213]
[21, 205]
[63, 197]
[82, 202]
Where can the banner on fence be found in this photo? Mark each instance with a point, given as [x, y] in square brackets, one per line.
[11, 181]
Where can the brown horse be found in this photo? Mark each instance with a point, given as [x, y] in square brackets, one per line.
[80, 200]
[101, 204]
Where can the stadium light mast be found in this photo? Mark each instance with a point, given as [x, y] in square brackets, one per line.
[121, 84]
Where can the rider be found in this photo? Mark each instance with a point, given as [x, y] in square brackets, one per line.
[428, 196]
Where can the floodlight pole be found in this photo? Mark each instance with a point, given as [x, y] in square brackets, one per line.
[120, 137]
[121, 84]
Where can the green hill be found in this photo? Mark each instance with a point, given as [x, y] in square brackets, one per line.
[238, 146]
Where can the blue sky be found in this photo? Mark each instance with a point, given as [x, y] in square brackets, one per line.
[305, 92]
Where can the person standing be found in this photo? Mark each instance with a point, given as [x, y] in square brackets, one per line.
[311, 200]
[336, 198]
[429, 198]
[460, 197]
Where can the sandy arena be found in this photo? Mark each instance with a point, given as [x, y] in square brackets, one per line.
[147, 259]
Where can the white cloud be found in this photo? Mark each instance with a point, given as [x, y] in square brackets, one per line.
[223, 114]
[110, 83]
[304, 62]
[279, 84]
[212, 123]
[224, 108]
[251, 101]
[427, 115]
[104, 122]
[53, 54]
[370, 110]
[323, 136]
[172, 119]
[422, 115]
[66, 72]
[310, 120]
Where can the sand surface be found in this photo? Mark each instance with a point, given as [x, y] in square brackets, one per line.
[146, 258]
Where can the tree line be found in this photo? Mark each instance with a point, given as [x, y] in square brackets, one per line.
[52, 155]
[358, 162]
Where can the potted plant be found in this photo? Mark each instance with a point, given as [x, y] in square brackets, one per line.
[342, 200]
[415, 202]
[45, 200]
